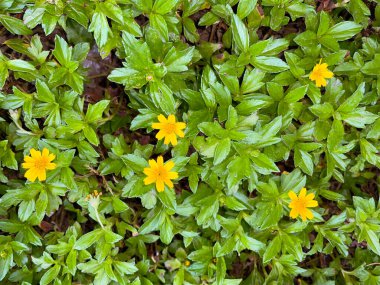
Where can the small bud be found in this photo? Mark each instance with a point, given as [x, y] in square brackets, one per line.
[94, 199]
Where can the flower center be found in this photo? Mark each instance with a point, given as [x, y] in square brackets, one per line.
[301, 203]
[40, 163]
[170, 128]
[161, 172]
[318, 72]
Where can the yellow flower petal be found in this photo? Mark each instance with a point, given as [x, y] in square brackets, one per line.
[171, 119]
[161, 118]
[328, 74]
[169, 165]
[173, 175]
[35, 153]
[158, 125]
[180, 133]
[27, 165]
[28, 159]
[292, 195]
[45, 152]
[51, 157]
[180, 125]
[160, 161]
[310, 196]
[293, 213]
[160, 135]
[302, 193]
[51, 166]
[169, 183]
[167, 139]
[31, 175]
[309, 214]
[148, 171]
[149, 180]
[312, 204]
[41, 175]
[152, 163]
[160, 185]
[173, 139]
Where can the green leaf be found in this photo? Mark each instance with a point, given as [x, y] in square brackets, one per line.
[227, 247]
[164, 6]
[5, 265]
[14, 25]
[252, 81]
[222, 150]
[95, 112]
[263, 164]
[353, 101]
[335, 135]
[25, 210]
[112, 11]
[359, 10]
[88, 239]
[372, 67]
[323, 111]
[245, 7]
[277, 16]
[344, 30]
[135, 162]
[125, 267]
[177, 61]
[272, 249]
[168, 199]
[296, 94]
[62, 51]
[371, 238]
[166, 231]
[20, 65]
[50, 275]
[99, 26]
[306, 39]
[130, 78]
[269, 64]
[303, 160]
[251, 243]
[240, 34]
[158, 23]
[91, 135]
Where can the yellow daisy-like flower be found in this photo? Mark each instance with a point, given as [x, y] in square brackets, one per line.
[320, 73]
[300, 204]
[160, 173]
[169, 129]
[37, 164]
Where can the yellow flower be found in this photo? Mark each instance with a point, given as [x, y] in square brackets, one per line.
[300, 205]
[38, 163]
[160, 173]
[320, 73]
[169, 129]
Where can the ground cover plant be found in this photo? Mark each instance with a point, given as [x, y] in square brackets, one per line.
[189, 142]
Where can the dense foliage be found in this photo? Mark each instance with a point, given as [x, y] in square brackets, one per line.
[189, 142]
